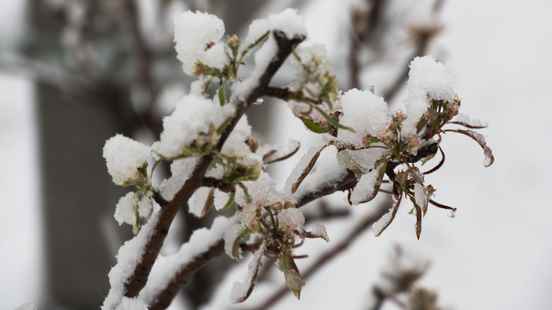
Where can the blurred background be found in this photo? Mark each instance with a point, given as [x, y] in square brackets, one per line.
[75, 72]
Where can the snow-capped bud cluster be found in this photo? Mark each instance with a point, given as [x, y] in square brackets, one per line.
[125, 160]
[198, 41]
[383, 141]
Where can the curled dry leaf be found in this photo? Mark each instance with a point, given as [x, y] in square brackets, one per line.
[480, 139]
[306, 164]
[275, 155]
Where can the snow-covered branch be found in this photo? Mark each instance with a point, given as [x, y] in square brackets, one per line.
[217, 165]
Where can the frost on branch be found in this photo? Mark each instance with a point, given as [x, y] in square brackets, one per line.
[218, 167]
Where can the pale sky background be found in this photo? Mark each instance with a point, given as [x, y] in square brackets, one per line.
[496, 253]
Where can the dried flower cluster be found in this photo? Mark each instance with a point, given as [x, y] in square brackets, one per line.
[374, 143]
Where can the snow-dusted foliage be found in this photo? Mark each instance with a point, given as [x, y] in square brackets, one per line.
[218, 167]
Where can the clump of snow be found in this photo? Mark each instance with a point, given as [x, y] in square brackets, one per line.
[125, 211]
[367, 187]
[289, 21]
[193, 116]
[181, 170]
[366, 113]
[291, 219]
[197, 36]
[128, 257]
[430, 78]
[236, 145]
[427, 80]
[124, 157]
[165, 268]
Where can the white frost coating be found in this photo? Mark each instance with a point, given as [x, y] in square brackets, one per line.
[319, 230]
[123, 157]
[366, 188]
[166, 267]
[131, 304]
[430, 78]
[231, 235]
[240, 290]
[194, 35]
[193, 115]
[128, 257]
[291, 219]
[180, 172]
[366, 113]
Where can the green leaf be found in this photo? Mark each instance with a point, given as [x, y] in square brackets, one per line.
[314, 127]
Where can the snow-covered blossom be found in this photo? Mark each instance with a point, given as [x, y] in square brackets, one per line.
[369, 116]
[198, 39]
[194, 119]
[427, 80]
[124, 158]
[365, 112]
